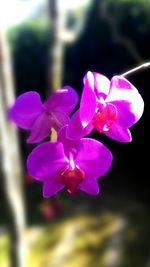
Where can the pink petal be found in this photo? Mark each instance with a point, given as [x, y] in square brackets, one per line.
[63, 100]
[119, 134]
[46, 160]
[26, 109]
[51, 187]
[88, 100]
[101, 85]
[121, 90]
[128, 112]
[89, 186]
[59, 119]
[127, 100]
[75, 129]
[41, 128]
[70, 145]
[93, 158]
[121, 83]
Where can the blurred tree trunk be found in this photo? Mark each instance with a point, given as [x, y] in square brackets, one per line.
[11, 161]
[60, 35]
[56, 46]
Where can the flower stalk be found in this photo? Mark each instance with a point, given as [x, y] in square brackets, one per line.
[136, 69]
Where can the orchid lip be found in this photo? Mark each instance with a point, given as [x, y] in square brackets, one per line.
[72, 177]
[104, 117]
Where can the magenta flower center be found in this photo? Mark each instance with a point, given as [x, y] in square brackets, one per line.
[71, 178]
[104, 117]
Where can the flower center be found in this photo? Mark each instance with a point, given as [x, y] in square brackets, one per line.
[53, 119]
[104, 117]
[71, 178]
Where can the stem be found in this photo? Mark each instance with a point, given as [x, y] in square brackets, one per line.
[141, 67]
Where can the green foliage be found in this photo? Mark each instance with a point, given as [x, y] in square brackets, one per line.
[30, 46]
[38, 26]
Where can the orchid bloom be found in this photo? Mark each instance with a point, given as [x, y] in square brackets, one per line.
[28, 112]
[71, 164]
[111, 107]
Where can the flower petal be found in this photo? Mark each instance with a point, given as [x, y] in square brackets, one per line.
[101, 85]
[89, 186]
[129, 110]
[41, 128]
[75, 129]
[127, 100]
[93, 158]
[70, 145]
[26, 109]
[46, 160]
[121, 83]
[59, 119]
[119, 134]
[50, 188]
[88, 100]
[64, 100]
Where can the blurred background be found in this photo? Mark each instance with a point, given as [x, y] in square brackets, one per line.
[45, 44]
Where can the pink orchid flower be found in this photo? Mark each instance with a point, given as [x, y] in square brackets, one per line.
[71, 164]
[111, 107]
[29, 113]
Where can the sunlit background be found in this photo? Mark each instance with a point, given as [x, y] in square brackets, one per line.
[45, 44]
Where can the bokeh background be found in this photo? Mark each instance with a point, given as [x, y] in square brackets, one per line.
[43, 46]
